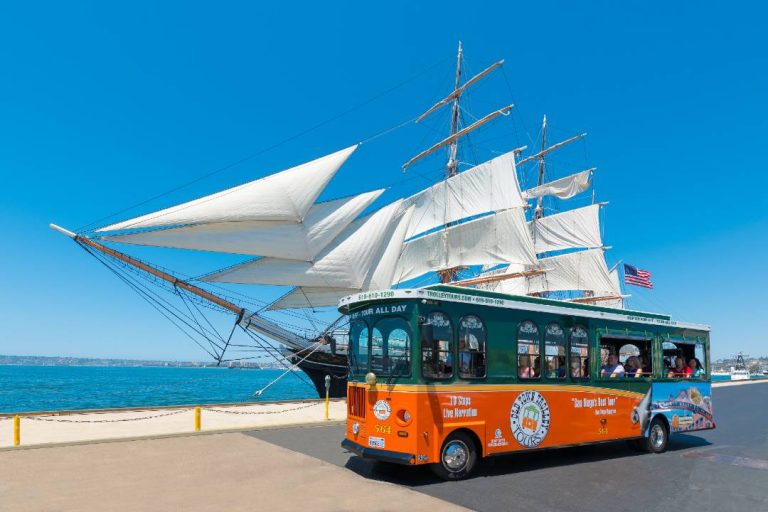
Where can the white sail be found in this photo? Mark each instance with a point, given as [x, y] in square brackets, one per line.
[380, 277]
[615, 281]
[563, 188]
[490, 186]
[512, 286]
[497, 238]
[311, 297]
[285, 196]
[583, 270]
[301, 241]
[574, 229]
[345, 263]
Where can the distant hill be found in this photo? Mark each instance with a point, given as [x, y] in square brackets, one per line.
[88, 361]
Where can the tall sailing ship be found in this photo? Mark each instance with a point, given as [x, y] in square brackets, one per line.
[474, 228]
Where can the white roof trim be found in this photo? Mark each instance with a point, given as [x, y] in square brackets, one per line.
[425, 293]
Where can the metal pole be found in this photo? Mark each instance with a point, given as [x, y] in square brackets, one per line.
[327, 394]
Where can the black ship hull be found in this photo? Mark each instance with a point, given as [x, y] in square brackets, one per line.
[320, 364]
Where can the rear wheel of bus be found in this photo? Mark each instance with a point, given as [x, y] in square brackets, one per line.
[458, 457]
[658, 436]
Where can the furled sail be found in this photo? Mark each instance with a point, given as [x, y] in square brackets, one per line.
[574, 229]
[490, 186]
[285, 196]
[296, 240]
[345, 263]
[583, 270]
[563, 188]
[497, 238]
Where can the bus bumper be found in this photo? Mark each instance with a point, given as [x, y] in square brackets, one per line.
[376, 454]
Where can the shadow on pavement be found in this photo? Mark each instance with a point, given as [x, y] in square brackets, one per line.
[517, 462]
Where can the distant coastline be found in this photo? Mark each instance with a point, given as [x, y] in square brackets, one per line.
[10, 360]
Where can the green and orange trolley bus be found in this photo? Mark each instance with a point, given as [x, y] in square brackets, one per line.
[447, 375]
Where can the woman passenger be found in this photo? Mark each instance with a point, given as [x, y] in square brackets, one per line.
[697, 371]
[524, 370]
[680, 371]
[633, 367]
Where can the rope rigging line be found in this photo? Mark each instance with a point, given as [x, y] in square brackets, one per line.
[306, 131]
[317, 345]
[279, 358]
[210, 341]
[155, 301]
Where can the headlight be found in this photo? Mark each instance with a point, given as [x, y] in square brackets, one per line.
[355, 428]
[370, 378]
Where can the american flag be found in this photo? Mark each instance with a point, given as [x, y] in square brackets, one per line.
[637, 277]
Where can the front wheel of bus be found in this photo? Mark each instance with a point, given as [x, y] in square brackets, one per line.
[458, 457]
[658, 436]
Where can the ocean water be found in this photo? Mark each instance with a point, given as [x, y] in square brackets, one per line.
[45, 388]
[721, 378]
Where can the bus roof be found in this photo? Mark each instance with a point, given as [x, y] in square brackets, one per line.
[520, 302]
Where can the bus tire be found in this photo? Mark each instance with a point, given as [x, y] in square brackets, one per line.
[658, 436]
[458, 457]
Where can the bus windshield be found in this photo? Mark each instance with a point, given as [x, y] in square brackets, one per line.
[384, 347]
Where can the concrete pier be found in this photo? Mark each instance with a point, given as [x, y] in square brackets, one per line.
[303, 467]
[80, 426]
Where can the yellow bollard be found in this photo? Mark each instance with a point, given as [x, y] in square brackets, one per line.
[197, 419]
[16, 430]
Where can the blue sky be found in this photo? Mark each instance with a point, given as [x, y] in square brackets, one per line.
[103, 106]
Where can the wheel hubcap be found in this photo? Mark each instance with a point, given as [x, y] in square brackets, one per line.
[657, 436]
[455, 456]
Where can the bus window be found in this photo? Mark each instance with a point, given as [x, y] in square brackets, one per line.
[358, 354]
[472, 337]
[377, 352]
[622, 358]
[579, 353]
[391, 347]
[528, 350]
[554, 352]
[436, 353]
[683, 351]
[701, 357]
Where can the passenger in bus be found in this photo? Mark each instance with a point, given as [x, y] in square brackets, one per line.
[612, 369]
[536, 367]
[644, 365]
[698, 370]
[680, 371]
[465, 357]
[633, 368]
[576, 368]
[585, 368]
[524, 370]
[556, 367]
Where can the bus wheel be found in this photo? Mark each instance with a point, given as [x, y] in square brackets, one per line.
[458, 457]
[658, 436]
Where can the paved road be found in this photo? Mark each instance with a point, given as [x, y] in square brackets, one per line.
[721, 470]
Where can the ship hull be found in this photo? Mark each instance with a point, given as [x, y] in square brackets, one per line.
[320, 364]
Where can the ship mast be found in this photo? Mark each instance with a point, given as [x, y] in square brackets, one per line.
[538, 213]
[453, 148]
[452, 141]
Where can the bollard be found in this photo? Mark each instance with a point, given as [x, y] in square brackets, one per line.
[327, 394]
[16, 430]
[197, 419]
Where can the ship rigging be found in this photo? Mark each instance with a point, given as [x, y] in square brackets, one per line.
[474, 228]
